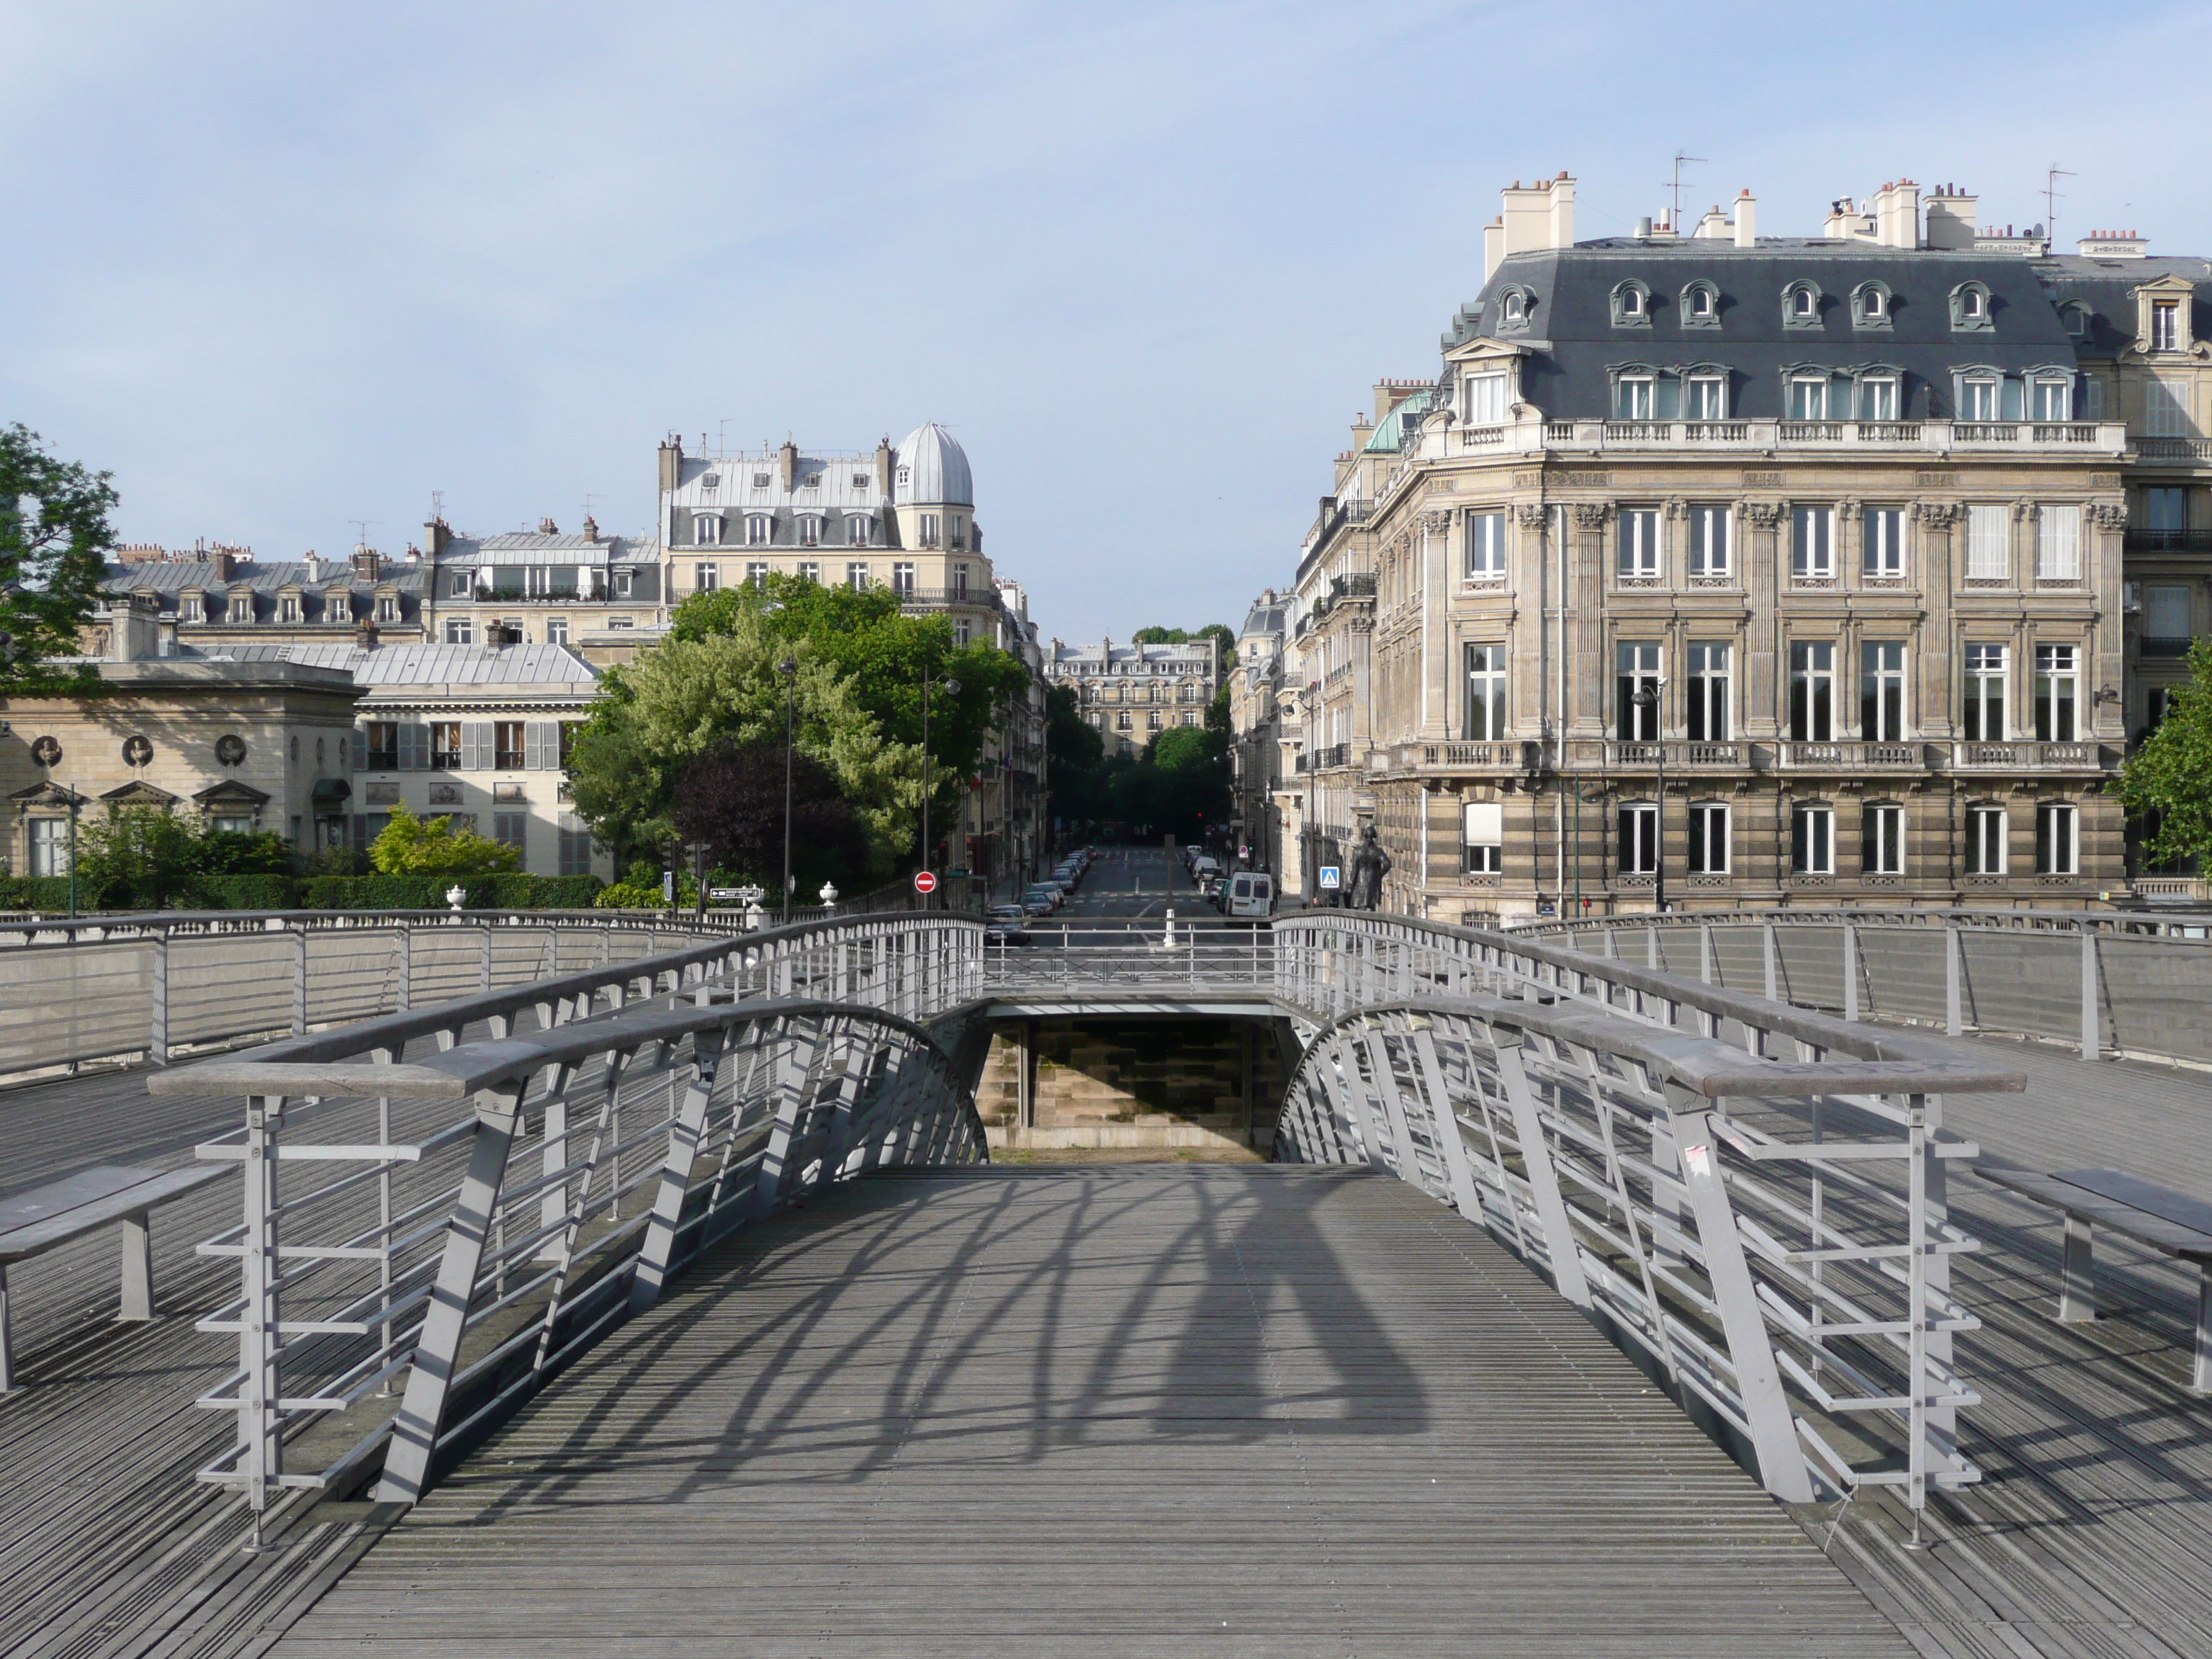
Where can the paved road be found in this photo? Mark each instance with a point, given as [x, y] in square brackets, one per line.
[1133, 883]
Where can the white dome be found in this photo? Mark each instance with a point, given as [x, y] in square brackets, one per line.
[932, 470]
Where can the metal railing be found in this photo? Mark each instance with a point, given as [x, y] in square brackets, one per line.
[1749, 1195]
[140, 988]
[1148, 956]
[425, 1239]
[2130, 982]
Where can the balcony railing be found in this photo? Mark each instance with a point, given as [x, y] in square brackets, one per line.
[1636, 756]
[1337, 754]
[2173, 449]
[2101, 437]
[1828, 757]
[2168, 541]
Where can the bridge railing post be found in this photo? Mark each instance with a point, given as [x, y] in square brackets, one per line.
[1850, 970]
[2092, 1035]
[1954, 1021]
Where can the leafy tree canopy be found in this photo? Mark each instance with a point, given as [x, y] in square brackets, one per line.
[732, 797]
[721, 685]
[431, 847]
[1220, 631]
[2169, 777]
[54, 538]
[141, 857]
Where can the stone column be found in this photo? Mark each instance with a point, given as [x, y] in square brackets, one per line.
[1938, 652]
[1762, 696]
[2106, 566]
[1529, 657]
[1439, 676]
[1586, 675]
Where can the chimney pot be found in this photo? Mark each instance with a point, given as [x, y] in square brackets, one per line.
[547, 527]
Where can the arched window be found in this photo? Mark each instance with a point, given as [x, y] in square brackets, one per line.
[1871, 305]
[1631, 305]
[1514, 305]
[1969, 308]
[1801, 305]
[1701, 306]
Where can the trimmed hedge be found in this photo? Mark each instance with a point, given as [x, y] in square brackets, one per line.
[44, 894]
[504, 892]
[250, 892]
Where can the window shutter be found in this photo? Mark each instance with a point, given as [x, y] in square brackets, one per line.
[535, 745]
[475, 746]
[2062, 542]
[1985, 541]
[360, 832]
[2164, 415]
[411, 740]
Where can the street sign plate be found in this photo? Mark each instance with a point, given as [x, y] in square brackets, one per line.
[1331, 876]
[924, 882]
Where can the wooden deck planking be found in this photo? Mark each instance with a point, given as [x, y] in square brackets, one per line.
[1124, 1410]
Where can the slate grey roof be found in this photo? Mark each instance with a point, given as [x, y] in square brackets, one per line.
[2106, 287]
[1101, 658]
[1574, 341]
[1268, 614]
[429, 665]
[518, 547]
[168, 580]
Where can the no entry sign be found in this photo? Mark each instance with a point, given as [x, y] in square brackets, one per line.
[924, 882]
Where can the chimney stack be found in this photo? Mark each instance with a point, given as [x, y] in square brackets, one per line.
[671, 462]
[547, 527]
[1747, 219]
[591, 528]
[226, 564]
[368, 563]
[789, 456]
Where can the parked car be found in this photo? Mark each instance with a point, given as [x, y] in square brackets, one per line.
[1037, 903]
[1003, 926]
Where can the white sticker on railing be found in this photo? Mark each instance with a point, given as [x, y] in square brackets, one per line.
[1700, 1158]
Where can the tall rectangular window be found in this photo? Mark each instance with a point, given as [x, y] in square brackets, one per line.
[760, 529]
[1986, 840]
[459, 631]
[1707, 717]
[509, 743]
[2166, 515]
[1639, 839]
[1881, 691]
[1984, 719]
[809, 532]
[1811, 841]
[1639, 541]
[1985, 542]
[856, 575]
[1977, 400]
[856, 529]
[383, 747]
[929, 530]
[1486, 399]
[757, 575]
[2057, 681]
[1709, 838]
[1808, 397]
[808, 571]
[1634, 397]
[2166, 414]
[445, 745]
[2054, 401]
[1709, 541]
[1881, 841]
[1485, 840]
[1637, 674]
[1811, 691]
[1881, 542]
[2166, 326]
[513, 829]
[1878, 398]
[902, 580]
[2168, 619]
[2057, 840]
[1707, 397]
[1485, 693]
[49, 847]
[1813, 541]
[2058, 542]
[705, 577]
[1485, 544]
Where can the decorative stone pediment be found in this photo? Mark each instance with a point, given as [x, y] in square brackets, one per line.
[48, 795]
[139, 792]
[230, 793]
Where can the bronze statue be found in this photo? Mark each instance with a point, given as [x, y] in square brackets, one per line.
[1369, 864]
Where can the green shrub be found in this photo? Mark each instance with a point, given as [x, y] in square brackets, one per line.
[249, 892]
[46, 895]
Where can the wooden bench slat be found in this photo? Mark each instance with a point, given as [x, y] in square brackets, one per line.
[149, 1188]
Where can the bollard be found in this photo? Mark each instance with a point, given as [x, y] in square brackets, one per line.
[1169, 942]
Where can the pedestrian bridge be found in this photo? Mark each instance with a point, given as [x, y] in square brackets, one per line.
[656, 1291]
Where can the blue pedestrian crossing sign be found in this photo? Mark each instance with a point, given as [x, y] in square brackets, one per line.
[1331, 877]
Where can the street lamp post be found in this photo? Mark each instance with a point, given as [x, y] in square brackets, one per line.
[789, 669]
[951, 688]
[1649, 697]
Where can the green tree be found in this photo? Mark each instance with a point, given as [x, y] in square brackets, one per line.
[431, 847]
[723, 684]
[141, 857]
[2167, 782]
[54, 538]
[1075, 755]
[1226, 657]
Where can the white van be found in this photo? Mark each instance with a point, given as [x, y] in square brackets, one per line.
[1251, 893]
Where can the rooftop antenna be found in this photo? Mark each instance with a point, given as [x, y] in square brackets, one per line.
[437, 503]
[1674, 219]
[722, 436]
[362, 526]
[2051, 197]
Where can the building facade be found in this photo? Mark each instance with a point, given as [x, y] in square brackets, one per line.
[1262, 763]
[594, 593]
[1751, 570]
[213, 597]
[1132, 693]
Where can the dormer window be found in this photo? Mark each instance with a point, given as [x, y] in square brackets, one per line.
[288, 608]
[242, 606]
[1701, 306]
[388, 607]
[1514, 307]
[1801, 305]
[1871, 305]
[1486, 399]
[2166, 326]
[759, 528]
[1635, 397]
[1969, 308]
[712, 481]
[188, 607]
[809, 532]
[856, 529]
[1632, 305]
[2051, 398]
[760, 481]
[2077, 320]
[706, 529]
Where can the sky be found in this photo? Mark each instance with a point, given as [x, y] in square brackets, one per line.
[282, 267]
